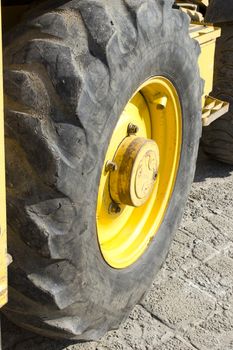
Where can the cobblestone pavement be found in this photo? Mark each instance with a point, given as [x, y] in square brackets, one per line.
[190, 305]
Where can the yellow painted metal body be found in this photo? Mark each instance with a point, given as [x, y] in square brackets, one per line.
[206, 36]
[205, 2]
[125, 235]
[3, 251]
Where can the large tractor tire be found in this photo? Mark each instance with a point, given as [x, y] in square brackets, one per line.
[103, 110]
[217, 138]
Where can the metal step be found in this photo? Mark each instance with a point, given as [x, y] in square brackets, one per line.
[213, 109]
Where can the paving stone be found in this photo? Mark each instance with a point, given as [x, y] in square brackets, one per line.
[141, 332]
[176, 344]
[223, 265]
[214, 333]
[226, 342]
[230, 251]
[201, 339]
[205, 278]
[222, 224]
[186, 252]
[218, 322]
[202, 251]
[184, 238]
[227, 302]
[188, 305]
[205, 231]
[180, 257]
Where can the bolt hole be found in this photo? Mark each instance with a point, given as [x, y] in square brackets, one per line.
[160, 107]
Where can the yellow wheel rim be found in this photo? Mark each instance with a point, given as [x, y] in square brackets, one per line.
[125, 227]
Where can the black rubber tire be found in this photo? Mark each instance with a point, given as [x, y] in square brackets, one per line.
[217, 139]
[69, 72]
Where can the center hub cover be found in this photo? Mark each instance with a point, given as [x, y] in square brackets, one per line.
[137, 162]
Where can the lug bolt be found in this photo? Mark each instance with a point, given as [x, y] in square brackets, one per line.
[114, 208]
[160, 101]
[132, 129]
[110, 166]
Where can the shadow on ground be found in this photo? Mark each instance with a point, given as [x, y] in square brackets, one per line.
[209, 168]
[15, 338]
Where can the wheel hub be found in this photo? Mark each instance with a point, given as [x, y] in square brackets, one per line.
[137, 162]
[139, 172]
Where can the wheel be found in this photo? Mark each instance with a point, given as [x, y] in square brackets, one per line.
[103, 120]
[217, 138]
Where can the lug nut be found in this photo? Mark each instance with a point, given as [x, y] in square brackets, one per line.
[110, 166]
[114, 208]
[132, 129]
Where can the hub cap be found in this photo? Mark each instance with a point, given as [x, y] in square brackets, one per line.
[139, 172]
[137, 162]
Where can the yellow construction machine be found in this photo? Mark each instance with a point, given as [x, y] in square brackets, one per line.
[104, 103]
